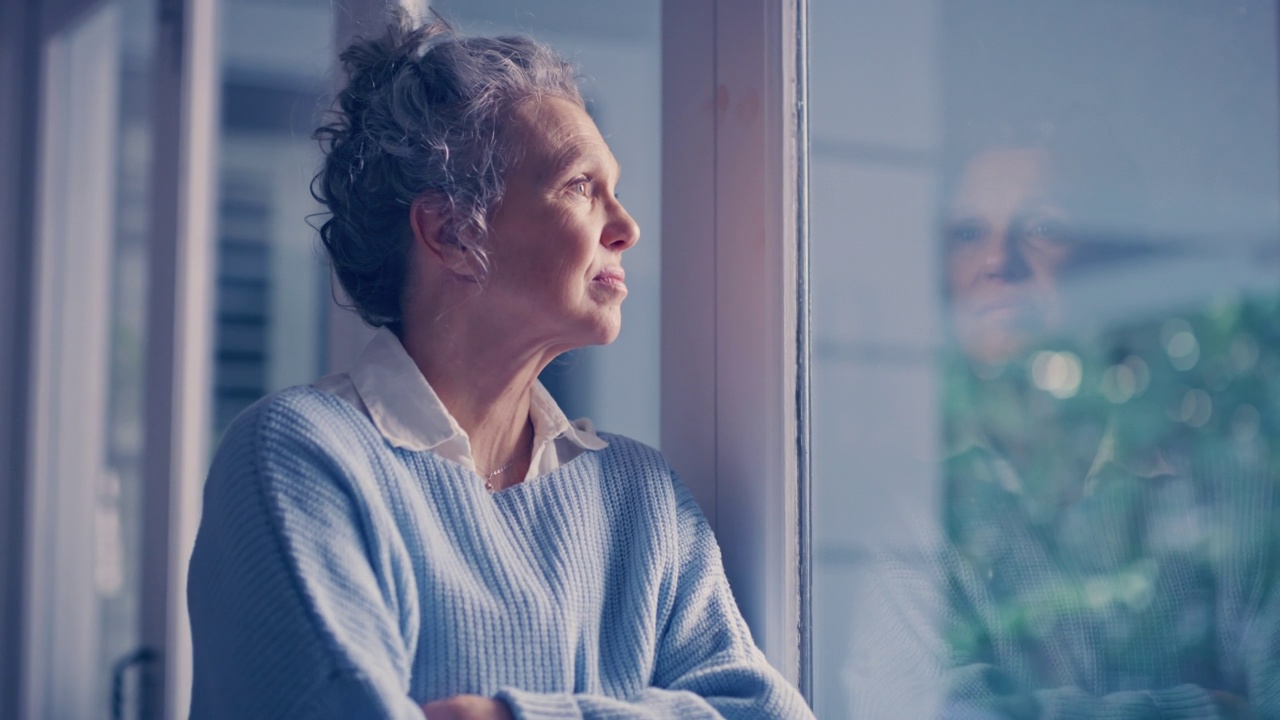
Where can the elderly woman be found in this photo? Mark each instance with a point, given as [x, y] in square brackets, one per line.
[427, 533]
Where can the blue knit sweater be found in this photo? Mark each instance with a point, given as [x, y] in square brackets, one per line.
[337, 576]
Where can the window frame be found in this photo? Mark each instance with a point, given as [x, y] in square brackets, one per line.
[180, 307]
[735, 348]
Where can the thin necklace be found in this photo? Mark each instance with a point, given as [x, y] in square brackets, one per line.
[489, 476]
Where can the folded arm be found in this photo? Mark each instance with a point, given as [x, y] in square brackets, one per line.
[707, 665]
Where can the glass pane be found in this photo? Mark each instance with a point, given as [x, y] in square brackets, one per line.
[272, 285]
[1046, 324]
[617, 51]
[118, 525]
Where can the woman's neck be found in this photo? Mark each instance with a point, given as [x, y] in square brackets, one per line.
[485, 379]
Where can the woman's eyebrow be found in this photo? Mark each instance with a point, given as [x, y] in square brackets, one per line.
[577, 152]
[566, 160]
[960, 213]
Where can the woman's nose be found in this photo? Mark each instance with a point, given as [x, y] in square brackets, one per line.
[1004, 258]
[621, 232]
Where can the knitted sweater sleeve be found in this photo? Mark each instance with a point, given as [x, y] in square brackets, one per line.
[294, 608]
[707, 665]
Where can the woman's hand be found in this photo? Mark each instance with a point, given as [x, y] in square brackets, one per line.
[467, 707]
[1233, 706]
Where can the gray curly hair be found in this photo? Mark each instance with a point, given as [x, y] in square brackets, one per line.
[423, 116]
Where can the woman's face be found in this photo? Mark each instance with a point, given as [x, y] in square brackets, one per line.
[1006, 246]
[557, 239]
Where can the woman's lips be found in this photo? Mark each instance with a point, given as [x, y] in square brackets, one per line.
[611, 275]
[613, 278]
[1005, 307]
[1000, 302]
[1000, 309]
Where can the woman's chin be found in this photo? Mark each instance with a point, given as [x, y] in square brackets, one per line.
[992, 339]
[995, 348]
[607, 333]
[601, 331]
[607, 324]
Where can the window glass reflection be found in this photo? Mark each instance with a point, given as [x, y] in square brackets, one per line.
[1052, 422]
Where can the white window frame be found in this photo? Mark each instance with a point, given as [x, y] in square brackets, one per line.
[72, 320]
[734, 340]
[181, 307]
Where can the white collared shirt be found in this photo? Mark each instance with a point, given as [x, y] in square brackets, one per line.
[386, 385]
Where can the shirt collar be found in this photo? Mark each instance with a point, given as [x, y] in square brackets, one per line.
[410, 415]
[969, 438]
[1148, 465]
[550, 422]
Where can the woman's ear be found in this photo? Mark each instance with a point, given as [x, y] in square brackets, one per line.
[431, 234]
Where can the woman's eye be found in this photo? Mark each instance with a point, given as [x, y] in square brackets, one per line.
[964, 232]
[582, 186]
[1047, 230]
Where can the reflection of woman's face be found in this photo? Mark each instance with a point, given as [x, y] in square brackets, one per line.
[1006, 245]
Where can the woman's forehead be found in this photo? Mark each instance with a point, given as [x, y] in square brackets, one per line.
[1002, 178]
[557, 133]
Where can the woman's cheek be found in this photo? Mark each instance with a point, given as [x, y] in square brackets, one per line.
[962, 272]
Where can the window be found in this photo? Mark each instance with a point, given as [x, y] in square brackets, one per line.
[88, 464]
[271, 282]
[1044, 299]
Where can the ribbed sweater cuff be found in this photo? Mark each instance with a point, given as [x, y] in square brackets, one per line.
[1185, 701]
[539, 706]
[1180, 702]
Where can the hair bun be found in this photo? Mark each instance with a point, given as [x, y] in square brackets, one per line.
[372, 64]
